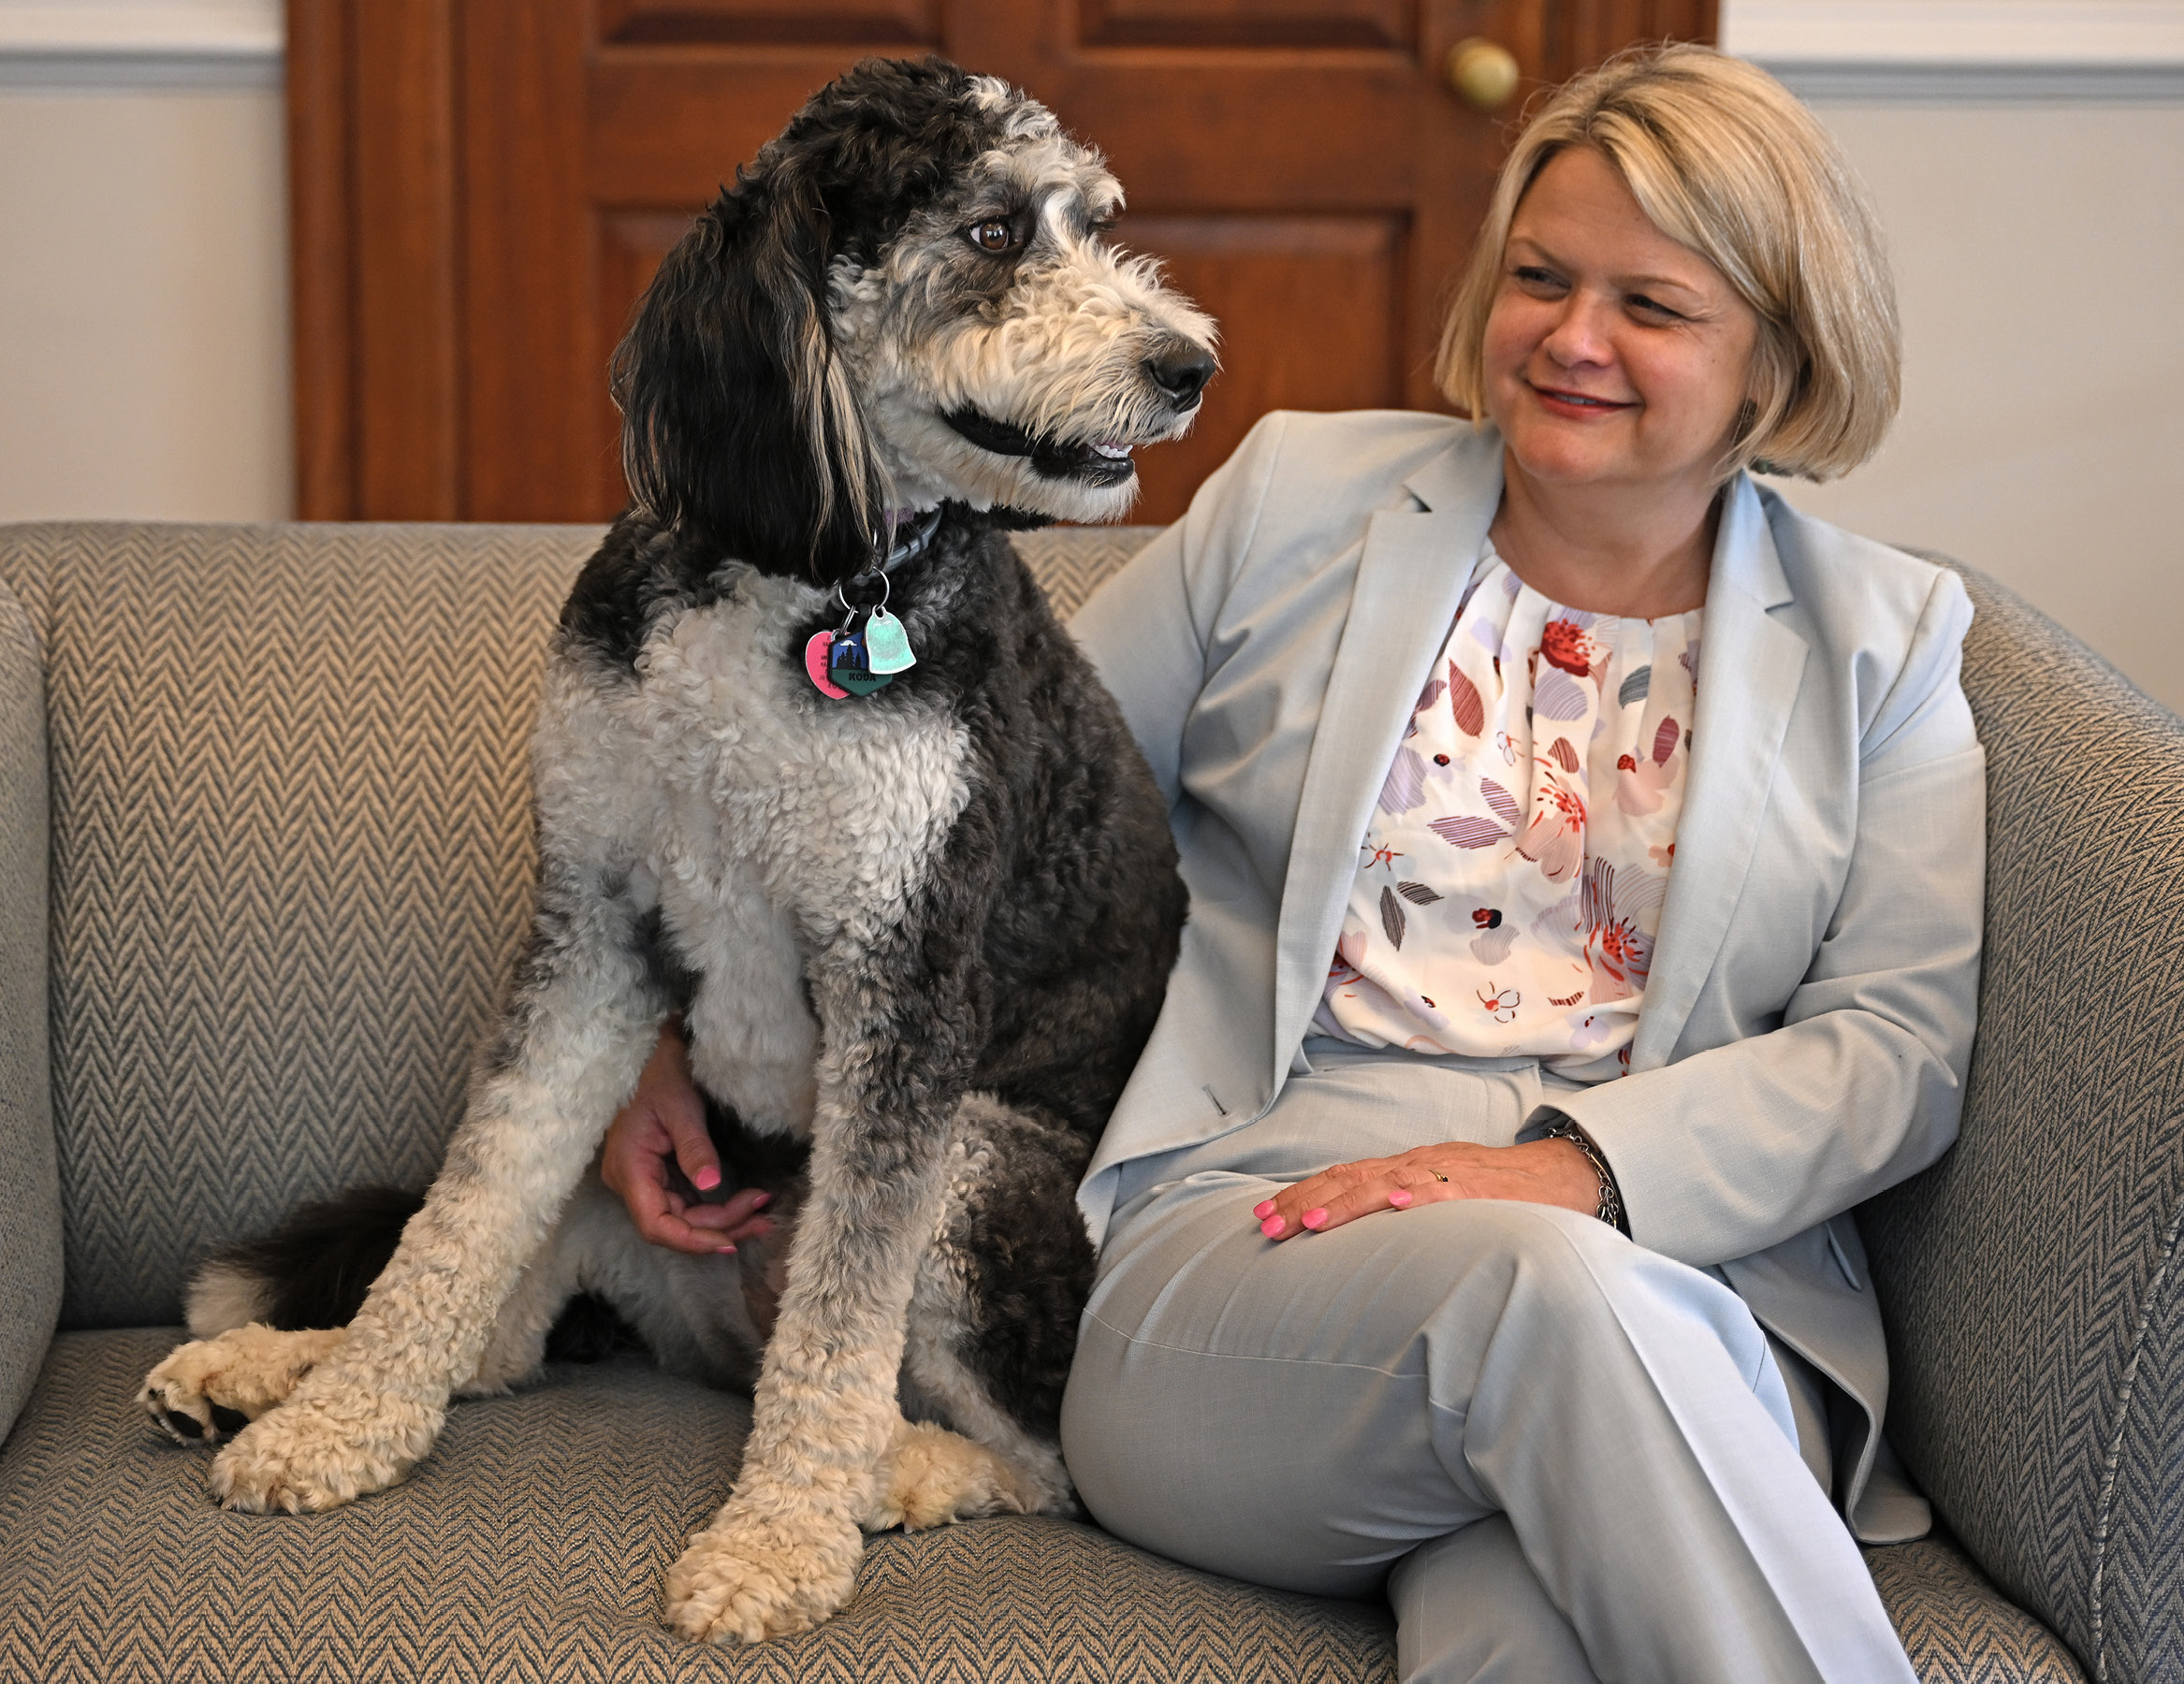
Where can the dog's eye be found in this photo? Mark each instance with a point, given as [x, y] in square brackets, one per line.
[994, 237]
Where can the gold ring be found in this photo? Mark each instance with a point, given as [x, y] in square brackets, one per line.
[1438, 1176]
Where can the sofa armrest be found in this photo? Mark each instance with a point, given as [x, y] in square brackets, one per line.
[2032, 1280]
[30, 1187]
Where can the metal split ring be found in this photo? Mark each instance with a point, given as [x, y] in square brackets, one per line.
[851, 612]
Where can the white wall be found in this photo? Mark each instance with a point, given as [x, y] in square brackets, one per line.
[143, 305]
[2038, 250]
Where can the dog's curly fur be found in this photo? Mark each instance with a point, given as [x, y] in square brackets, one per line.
[921, 934]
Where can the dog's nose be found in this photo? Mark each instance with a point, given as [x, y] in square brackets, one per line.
[1182, 370]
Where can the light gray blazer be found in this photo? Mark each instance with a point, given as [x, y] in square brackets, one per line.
[1808, 1019]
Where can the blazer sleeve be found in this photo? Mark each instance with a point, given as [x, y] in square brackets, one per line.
[1147, 630]
[1731, 1149]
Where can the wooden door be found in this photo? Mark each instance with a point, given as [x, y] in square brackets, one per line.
[481, 189]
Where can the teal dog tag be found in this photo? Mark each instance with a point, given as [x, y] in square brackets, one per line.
[887, 646]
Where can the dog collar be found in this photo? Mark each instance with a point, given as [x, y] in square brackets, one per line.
[909, 548]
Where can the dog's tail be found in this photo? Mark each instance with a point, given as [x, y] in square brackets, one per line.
[312, 1272]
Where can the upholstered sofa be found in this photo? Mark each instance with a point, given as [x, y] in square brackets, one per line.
[263, 860]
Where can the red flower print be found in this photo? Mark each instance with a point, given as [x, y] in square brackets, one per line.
[1565, 645]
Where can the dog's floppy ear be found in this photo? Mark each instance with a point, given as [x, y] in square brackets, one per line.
[739, 422]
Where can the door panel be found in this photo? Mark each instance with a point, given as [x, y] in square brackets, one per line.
[1243, 23]
[1273, 276]
[869, 23]
[482, 187]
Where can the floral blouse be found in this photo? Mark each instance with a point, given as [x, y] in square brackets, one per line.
[1510, 881]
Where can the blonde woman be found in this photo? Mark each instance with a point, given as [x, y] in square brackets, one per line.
[1585, 856]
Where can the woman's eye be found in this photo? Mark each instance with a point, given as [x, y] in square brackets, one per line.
[1538, 279]
[994, 237]
[1653, 308]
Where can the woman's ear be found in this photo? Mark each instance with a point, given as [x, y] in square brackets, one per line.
[739, 422]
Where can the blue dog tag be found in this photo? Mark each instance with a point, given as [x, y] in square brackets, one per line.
[847, 666]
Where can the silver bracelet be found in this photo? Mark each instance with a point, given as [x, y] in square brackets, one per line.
[1610, 1208]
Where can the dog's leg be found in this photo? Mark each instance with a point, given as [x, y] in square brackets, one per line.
[515, 1349]
[993, 1321]
[580, 1025]
[782, 1555]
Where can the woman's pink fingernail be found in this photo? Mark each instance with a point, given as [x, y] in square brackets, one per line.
[706, 1178]
[727, 1250]
[1400, 1199]
[763, 1201]
[1271, 1227]
[1264, 1208]
[1314, 1219]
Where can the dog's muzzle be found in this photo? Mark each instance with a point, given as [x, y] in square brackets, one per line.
[1180, 369]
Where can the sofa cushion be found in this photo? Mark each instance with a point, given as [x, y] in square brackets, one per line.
[532, 1543]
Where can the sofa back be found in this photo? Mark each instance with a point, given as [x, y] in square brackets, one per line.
[292, 857]
[290, 861]
[2031, 1280]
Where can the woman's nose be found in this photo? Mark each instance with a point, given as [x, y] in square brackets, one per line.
[1578, 335]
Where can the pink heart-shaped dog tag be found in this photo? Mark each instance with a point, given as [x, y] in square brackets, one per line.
[815, 652]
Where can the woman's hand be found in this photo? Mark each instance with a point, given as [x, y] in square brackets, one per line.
[666, 1121]
[1551, 1172]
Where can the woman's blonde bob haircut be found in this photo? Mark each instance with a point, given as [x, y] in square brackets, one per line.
[1723, 159]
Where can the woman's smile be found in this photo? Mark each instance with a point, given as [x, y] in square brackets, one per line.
[1578, 405]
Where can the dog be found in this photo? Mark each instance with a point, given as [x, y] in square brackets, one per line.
[816, 768]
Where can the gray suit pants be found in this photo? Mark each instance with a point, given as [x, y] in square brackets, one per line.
[1562, 1457]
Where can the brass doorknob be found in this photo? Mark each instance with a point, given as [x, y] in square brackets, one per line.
[1483, 73]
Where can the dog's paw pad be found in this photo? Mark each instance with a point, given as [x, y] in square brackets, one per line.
[185, 1427]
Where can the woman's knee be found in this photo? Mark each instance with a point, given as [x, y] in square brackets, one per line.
[1576, 1279]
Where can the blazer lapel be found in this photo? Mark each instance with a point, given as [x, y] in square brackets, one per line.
[1411, 574]
[1749, 666]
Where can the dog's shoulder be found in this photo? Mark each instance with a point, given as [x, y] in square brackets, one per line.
[640, 570]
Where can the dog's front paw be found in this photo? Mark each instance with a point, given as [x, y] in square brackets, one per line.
[322, 1451]
[745, 1579]
[210, 1388]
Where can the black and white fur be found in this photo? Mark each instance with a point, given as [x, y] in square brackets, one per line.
[923, 933]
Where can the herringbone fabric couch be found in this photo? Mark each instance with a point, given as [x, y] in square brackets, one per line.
[263, 865]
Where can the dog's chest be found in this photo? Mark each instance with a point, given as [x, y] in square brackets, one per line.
[830, 811]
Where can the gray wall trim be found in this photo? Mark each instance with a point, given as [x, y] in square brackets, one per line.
[1899, 83]
[104, 71]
